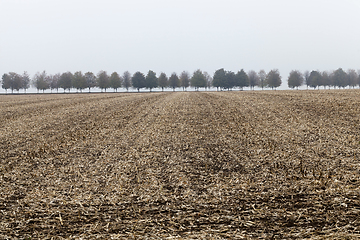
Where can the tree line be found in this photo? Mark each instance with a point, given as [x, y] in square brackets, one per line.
[221, 80]
[316, 79]
[79, 81]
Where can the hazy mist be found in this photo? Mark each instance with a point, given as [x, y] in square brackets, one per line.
[172, 36]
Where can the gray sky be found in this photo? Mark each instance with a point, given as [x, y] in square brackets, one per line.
[176, 35]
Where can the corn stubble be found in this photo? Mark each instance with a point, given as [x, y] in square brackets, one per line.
[216, 165]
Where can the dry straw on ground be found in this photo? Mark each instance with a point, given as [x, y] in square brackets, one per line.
[227, 165]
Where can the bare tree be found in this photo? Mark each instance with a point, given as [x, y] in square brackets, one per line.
[307, 78]
[262, 79]
[40, 81]
[49, 79]
[54, 83]
[25, 81]
[208, 80]
[254, 79]
[126, 80]
[90, 79]
[184, 80]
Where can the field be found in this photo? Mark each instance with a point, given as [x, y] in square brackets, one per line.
[185, 165]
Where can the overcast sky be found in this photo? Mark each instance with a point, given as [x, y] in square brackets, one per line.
[175, 35]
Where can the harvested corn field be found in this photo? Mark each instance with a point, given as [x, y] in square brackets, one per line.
[189, 165]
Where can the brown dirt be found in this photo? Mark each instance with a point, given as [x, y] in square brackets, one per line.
[189, 165]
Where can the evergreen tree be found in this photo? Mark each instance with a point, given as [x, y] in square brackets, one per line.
[198, 80]
[6, 81]
[79, 81]
[163, 81]
[219, 79]
[273, 79]
[66, 81]
[314, 79]
[174, 81]
[295, 79]
[326, 79]
[115, 81]
[352, 78]
[230, 80]
[151, 80]
[103, 80]
[138, 81]
[16, 81]
[242, 79]
[340, 78]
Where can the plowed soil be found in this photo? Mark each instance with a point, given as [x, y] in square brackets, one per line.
[186, 165]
